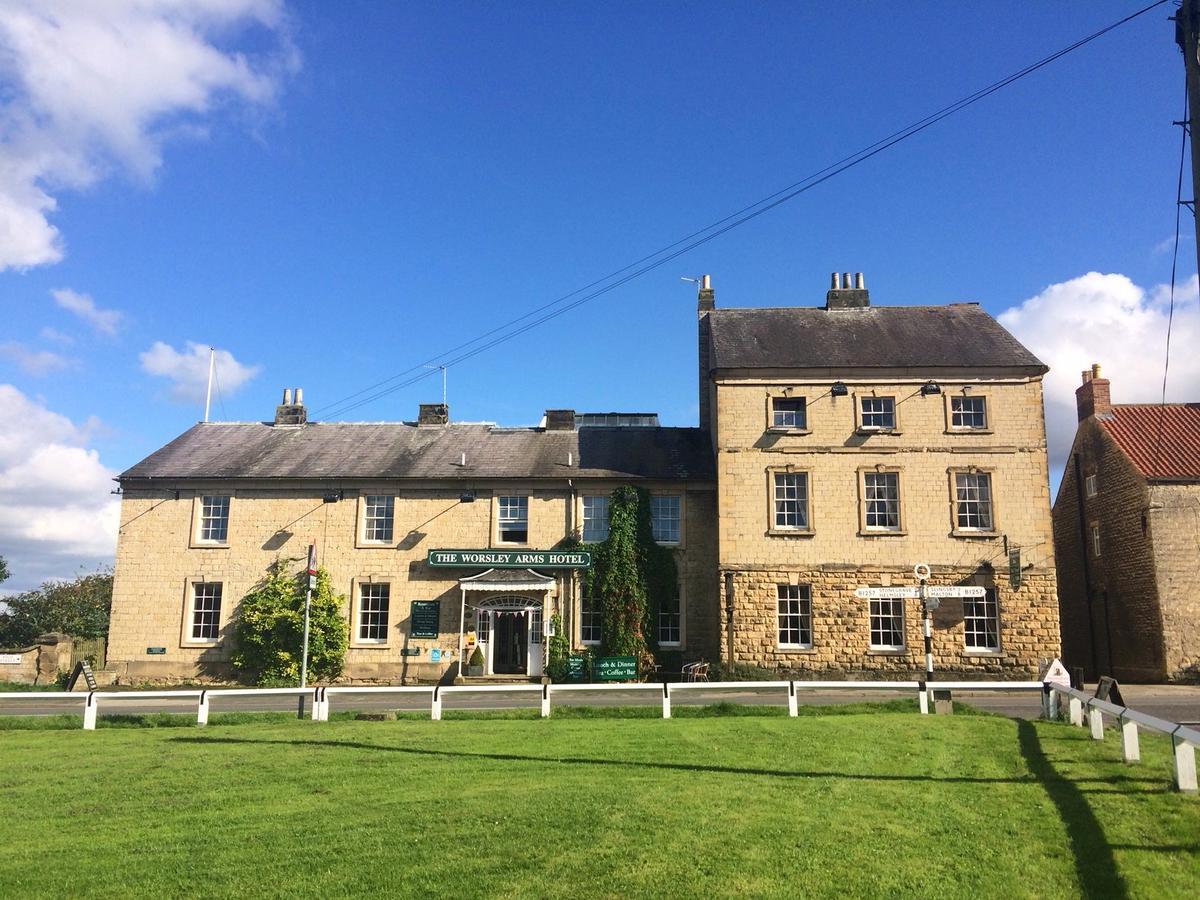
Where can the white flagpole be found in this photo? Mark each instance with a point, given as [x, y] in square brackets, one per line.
[212, 358]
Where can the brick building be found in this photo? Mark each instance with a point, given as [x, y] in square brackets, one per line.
[1127, 538]
[838, 446]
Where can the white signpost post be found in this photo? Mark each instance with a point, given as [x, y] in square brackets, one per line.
[931, 598]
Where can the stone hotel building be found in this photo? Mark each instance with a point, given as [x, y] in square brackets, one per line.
[838, 445]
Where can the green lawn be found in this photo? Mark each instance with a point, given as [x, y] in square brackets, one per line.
[863, 803]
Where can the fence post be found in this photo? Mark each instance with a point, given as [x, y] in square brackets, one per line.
[435, 712]
[324, 704]
[1185, 764]
[316, 705]
[202, 710]
[922, 698]
[545, 701]
[1052, 707]
[1096, 721]
[666, 700]
[792, 711]
[1076, 711]
[1130, 751]
[89, 712]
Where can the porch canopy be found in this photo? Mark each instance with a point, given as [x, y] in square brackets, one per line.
[502, 581]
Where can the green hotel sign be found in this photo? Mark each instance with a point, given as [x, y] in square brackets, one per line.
[510, 559]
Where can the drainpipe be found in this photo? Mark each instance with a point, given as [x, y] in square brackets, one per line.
[1087, 566]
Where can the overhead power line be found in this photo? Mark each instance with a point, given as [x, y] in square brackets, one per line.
[600, 286]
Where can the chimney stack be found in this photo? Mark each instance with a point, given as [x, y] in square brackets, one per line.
[433, 414]
[291, 413]
[560, 420]
[847, 293]
[1092, 397]
[706, 302]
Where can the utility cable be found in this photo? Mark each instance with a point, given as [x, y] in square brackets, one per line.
[500, 334]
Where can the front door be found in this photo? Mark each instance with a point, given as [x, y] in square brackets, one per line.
[510, 643]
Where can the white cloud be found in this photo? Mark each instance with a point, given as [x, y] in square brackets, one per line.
[56, 512]
[105, 321]
[1107, 319]
[188, 370]
[33, 362]
[53, 334]
[91, 87]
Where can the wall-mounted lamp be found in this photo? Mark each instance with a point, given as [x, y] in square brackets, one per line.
[929, 388]
[331, 497]
[838, 389]
[466, 497]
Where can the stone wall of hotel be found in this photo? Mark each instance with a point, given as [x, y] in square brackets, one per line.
[157, 560]
[1174, 528]
[838, 555]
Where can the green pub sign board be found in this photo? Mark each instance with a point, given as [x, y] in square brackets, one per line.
[424, 618]
[576, 669]
[509, 559]
[615, 668]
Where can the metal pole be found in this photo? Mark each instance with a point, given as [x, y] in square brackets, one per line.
[212, 357]
[1187, 35]
[304, 650]
[928, 616]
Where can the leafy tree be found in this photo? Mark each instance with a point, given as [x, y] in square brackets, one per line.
[631, 577]
[270, 629]
[3, 570]
[79, 608]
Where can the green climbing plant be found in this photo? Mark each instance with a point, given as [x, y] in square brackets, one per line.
[270, 629]
[631, 577]
[558, 651]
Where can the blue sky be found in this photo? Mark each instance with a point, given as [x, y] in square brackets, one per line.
[332, 193]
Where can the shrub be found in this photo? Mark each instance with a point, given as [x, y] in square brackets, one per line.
[477, 658]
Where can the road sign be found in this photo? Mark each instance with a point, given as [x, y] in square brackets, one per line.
[886, 593]
[955, 590]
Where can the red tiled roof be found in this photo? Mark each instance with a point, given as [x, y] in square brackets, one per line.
[1162, 442]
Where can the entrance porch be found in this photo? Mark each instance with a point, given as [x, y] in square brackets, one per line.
[504, 611]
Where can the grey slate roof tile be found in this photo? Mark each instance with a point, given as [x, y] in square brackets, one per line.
[961, 335]
[401, 450]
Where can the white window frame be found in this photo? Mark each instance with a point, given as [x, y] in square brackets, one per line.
[864, 399]
[964, 399]
[1095, 531]
[591, 504]
[677, 615]
[959, 502]
[981, 616]
[800, 418]
[205, 503]
[1090, 486]
[380, 591]
[590, 621]
[802, 499]
[866, 476]
[213, 616]
[512, 509]
[674, 504]
[801, 612]
[371, 521]
[889, 609]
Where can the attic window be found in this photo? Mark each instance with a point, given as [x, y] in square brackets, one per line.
[1089, 485]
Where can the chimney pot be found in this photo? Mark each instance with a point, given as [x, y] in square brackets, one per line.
[706, 297]
[833, 281]
[860, 283]
[287, 396]
[289, 412]
[299, 396]
[845, 281]
[1095, 370]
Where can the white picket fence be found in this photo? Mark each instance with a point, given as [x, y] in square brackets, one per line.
[1184, 740]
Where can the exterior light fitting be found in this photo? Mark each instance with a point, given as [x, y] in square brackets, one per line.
[929, 388]
[331, 497]
[838, 389]
[466, 497]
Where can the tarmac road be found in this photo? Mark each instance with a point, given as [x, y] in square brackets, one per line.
[1172, 702]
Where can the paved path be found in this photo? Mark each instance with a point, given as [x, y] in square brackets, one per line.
[1175, 703]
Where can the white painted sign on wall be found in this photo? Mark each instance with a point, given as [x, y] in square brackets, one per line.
[10, 659]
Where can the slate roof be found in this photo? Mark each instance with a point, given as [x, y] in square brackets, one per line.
[960, 335]
[1136, 429]
[348, 450]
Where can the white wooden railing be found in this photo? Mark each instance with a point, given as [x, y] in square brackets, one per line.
[1079, 705]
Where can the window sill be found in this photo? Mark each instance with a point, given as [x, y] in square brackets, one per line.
[209, 545]
[790, 532]
[375, 545]
[969, 431]
[887, 651]
[198, 645]
[676, 645]
[798, 432]
[984, 653]
[785, 648]
[974, 534]
[869, 431]
[882, 532]
[369, 645]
